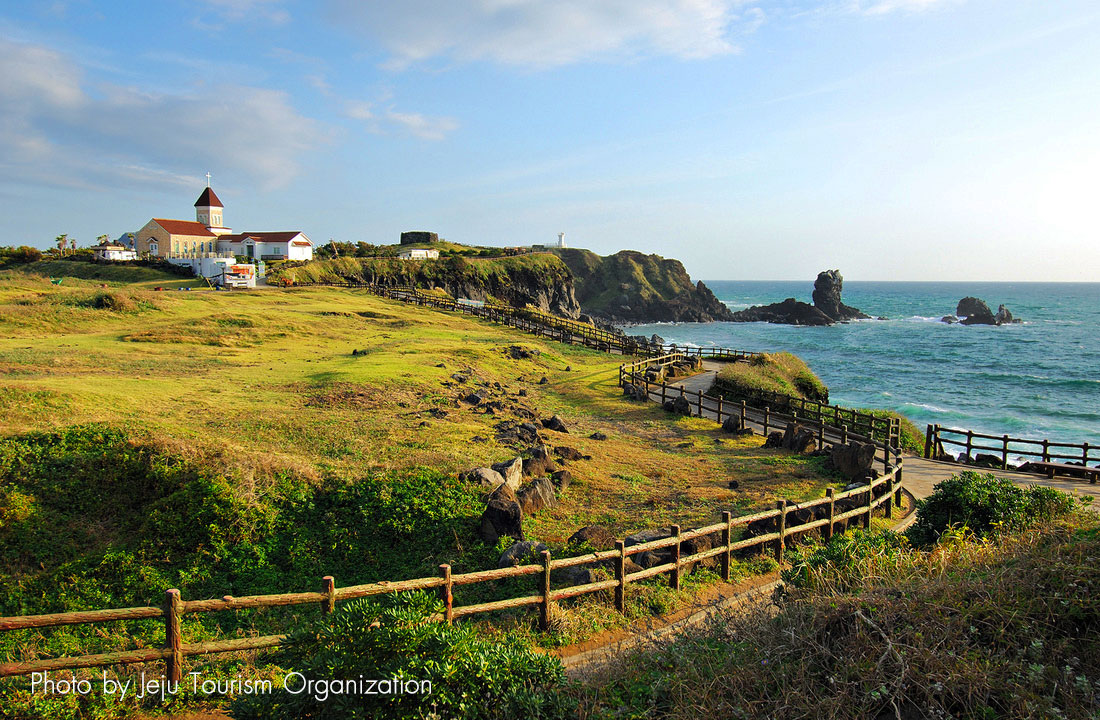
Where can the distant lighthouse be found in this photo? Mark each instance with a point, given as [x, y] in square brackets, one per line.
[561, 239]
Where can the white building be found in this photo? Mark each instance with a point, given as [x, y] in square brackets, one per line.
[289, 245]
[224, 271]
[418, 254]
[108, 250]
[207, 235]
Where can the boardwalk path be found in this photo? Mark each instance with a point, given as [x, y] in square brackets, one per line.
[920, 475]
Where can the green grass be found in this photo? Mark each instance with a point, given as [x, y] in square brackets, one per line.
[782, 373]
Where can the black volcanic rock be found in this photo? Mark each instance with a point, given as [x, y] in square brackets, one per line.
[827, 297]
[788, 312]
[826, 310]
[974, 311]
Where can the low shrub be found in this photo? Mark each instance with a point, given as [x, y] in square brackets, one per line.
[392, 640]
[984, 503]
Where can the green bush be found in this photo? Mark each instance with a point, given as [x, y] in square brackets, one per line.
[983, 503]
[845, 560]
[391, 639]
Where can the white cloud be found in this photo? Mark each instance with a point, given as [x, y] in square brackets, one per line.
[235, 10]
[882, 7]
[421, 126]
[537, 33]
[53, 131]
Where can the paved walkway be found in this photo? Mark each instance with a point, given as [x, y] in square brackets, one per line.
[920, 475]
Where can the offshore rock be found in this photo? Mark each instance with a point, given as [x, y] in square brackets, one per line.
[974, 311]
[788, 312]
[827, 298]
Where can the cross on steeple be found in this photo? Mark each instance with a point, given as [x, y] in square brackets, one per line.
[207, 179]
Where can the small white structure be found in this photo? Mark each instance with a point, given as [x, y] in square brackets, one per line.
[419, 254]
[291, 245]
[224, 271]
[561, 239]
[112, 251]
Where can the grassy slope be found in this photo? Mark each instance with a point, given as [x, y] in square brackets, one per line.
[395, 271]
[600, 281]
[973, 629]
[776, 372]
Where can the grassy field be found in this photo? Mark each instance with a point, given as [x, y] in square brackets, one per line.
[250, 442]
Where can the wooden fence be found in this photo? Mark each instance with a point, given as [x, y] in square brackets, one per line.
[543, 324]
[768, 418]
[937, 436]
[174, 607]
[175, 649]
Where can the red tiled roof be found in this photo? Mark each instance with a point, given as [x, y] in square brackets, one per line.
[267, 237]
[184, 227]
[208, 199]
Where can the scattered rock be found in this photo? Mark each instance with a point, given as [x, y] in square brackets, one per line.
[775, 440]
[949, 319]
[598, 537]
[539, 463]
[459, 377]
[576, 575]
[556, 424]
[987, 460]
[526, 552]
[597, 436]
[568, 368]
[536, 495]
[501, 518]
[571, 454]
[798, 438]
[517, 352]
[734, 484]
[853, 460]
[522, 392]
[681, 406]
[441, 365]
[732, 424]
[483, 477]
[474, 398]
[1003, 316]
[561, 479]
[544, 380]
[511, 472]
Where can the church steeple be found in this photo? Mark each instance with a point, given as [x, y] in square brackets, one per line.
[208, 211]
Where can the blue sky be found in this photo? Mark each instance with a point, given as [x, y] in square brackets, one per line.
[893, 139]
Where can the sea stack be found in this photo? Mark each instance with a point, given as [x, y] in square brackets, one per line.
[826, 310]
[827, 298]
[974, 311]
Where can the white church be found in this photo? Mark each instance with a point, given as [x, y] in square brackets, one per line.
[207, 236]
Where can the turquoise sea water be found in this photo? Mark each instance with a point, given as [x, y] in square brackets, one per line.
[1037, 379]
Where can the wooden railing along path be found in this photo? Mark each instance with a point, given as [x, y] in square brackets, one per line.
[888, 438]
[937, 436]
[175, 607]
[175, 649]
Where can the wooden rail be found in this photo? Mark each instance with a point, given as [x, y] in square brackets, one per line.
[175, 650]
[937, 436]
[543, 324]
[768, 418]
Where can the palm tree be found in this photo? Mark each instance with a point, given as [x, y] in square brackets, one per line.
[62, 241]
[103, 239]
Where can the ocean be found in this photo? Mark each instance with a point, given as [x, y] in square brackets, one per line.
[1037, 379]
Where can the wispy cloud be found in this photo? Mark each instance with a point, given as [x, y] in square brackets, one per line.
[237, 10]
[539, 34]
[421, 126]
[53, 131]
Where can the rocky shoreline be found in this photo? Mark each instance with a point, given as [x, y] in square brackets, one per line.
[827, 307]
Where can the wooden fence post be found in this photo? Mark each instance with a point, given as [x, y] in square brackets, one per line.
[843, 434]
[620, 575]
[781, 506]
[742, 413]
[674, 580]
[544, 607]
[1046, 450]
[328, 587]
[867, 515]
[700, 392]
[890, 498]
[727, 540]
[719, 411]
[172, 640]
[446, 595]
[969, 444]
[928, 441]
[1085, 454]
[898, 486]
[832, 512]
[767, 418]
[821, 433]
[1004, 452]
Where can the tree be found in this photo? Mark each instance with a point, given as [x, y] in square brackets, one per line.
[62, 241]
[103, 239]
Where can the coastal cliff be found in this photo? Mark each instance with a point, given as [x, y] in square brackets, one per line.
[631, 286]
[540, 280]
